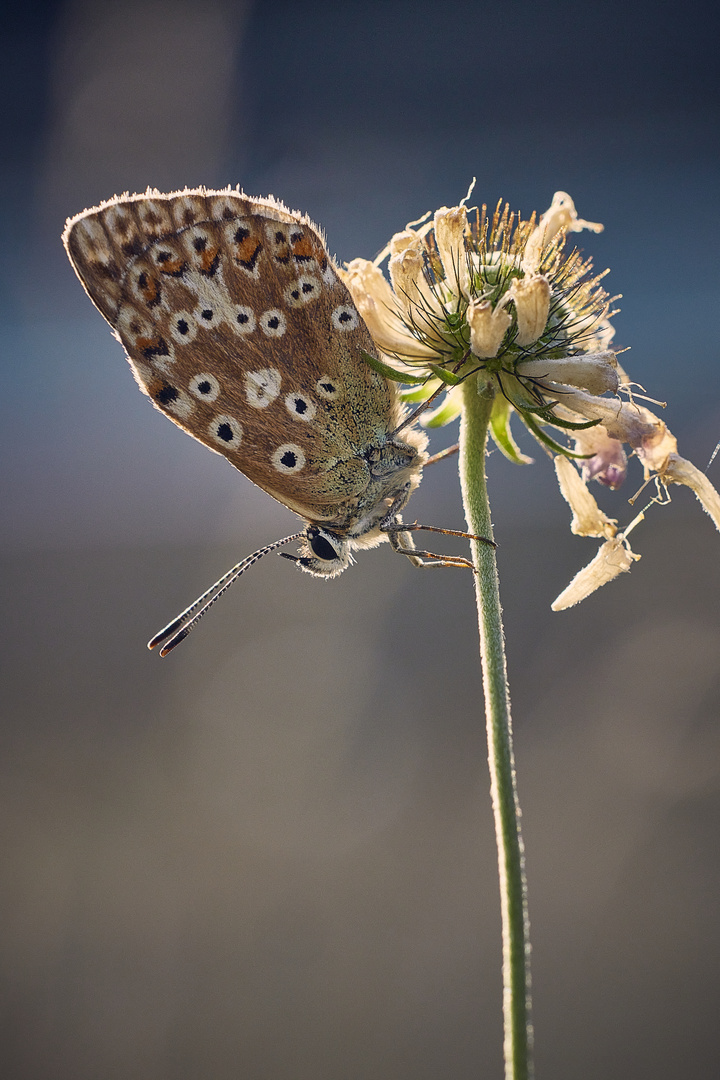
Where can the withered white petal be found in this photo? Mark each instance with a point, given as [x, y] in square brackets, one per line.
[628, 422]
[613, 558]
[588, 518]
[678, 470]
[402, 240]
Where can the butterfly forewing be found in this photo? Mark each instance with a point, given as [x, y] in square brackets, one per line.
[239, 329]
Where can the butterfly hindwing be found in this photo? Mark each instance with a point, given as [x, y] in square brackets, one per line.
[239, 329]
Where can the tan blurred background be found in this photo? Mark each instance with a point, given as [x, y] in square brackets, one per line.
[271, 854]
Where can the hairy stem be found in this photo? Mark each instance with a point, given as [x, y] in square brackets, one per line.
[477, 404]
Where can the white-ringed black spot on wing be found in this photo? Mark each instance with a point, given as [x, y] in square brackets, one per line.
[306, 289]
[244, 319]
[262, 387]
[183, 327]
[300, 406]
[345, 317]
[272, 323]
[288, 458]
[204, 387]
[226, 432]
[171, 399]
[207, 315]
[328, 388]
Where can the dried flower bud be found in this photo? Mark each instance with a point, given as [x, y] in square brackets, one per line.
[402, 240]
[450, 229]
[488, 326]
[377, 305]
[680, 471]
[594, 372]
[411, 286]
[531, 296]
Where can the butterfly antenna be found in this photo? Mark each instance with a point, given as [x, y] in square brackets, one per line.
[177, 630]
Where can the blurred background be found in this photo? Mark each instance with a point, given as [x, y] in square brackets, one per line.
[271, 855]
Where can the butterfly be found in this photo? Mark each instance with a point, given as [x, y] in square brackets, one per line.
[238, 328]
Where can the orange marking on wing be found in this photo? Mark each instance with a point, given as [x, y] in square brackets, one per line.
[305, 248]
[207, 258]
[149, 288]
[172, 266]
[152, 346]
[247, 250]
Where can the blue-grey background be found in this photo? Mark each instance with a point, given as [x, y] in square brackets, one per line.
[271, 854]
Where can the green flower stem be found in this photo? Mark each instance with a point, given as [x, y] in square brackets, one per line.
[477, 405]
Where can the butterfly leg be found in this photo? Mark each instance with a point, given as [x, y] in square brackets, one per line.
[402, 542]
[423, 559]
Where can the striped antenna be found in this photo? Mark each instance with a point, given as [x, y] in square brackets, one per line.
[177, 630]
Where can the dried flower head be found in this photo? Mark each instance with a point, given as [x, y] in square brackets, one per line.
[499, 299]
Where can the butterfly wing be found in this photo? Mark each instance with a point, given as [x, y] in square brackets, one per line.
[238, 328]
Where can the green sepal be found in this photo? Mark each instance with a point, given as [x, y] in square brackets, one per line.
[557, 421]
[391, 372]
[410, 397]
[540, 434]
[444, 375]
[545, 413]
[502, 435]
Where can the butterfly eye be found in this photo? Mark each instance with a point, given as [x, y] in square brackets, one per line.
[320, 546]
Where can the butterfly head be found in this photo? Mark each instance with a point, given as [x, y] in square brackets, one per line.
[322, 554]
